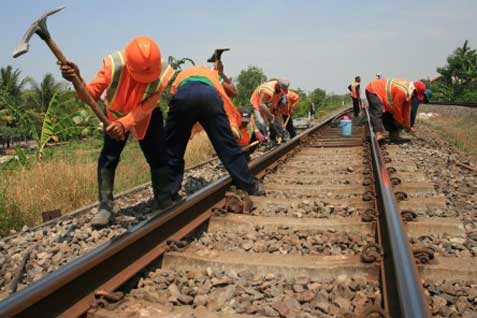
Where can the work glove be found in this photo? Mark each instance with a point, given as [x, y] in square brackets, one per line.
[260, 136]
[69, 70]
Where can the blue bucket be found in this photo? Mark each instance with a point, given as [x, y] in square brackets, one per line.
[346, 127]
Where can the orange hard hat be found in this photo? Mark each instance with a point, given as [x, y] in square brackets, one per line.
[143, 59]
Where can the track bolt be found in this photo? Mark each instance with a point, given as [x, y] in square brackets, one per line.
[387, 160]
[401, 196]
[369, 215]
[366, 172]
[395, 181]
[371, 253]
[368, 196]
[367, 182]
[238, 201]
[423, 254]
[408, 215]
[391, 170]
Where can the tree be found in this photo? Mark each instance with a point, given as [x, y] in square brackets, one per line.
[10, 81]
[303, 103]
[42, 93]
[458, 80]
[247, 81]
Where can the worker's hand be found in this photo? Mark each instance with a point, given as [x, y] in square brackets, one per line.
[411, 131]
[116, 131]
[69, 70]
[260, 136]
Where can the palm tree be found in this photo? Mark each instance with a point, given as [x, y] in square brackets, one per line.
[41, 94]
[10, 81]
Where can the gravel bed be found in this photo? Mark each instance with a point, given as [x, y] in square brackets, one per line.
[266, 295]
[285, 242]
[56, 244]
[447, 245]
[307, 209]
[452, 298]
[296, 194]
[438, 160]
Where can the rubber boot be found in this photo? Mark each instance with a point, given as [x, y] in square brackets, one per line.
[105, 187]
[160, 188]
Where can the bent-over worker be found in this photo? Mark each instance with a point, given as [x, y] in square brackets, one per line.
[390, 105]
[198, 96]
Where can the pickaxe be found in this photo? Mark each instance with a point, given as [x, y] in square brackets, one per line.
[39, 27]
[217, 55]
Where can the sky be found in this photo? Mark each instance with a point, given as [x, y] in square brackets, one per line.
[313, 43]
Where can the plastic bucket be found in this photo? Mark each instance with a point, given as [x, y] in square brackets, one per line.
[346, 127]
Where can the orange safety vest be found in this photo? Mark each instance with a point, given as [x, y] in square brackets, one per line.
[246, 133]
[395, 94]
[266, 92]
[354, 93]
[212, 75]
[292, 103]
[120, 100]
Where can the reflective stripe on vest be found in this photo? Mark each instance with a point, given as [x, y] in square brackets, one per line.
[353, 89]
[266, 86]
[117, 66]
[399, 84]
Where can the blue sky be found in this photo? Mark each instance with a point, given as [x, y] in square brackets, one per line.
[313, 43]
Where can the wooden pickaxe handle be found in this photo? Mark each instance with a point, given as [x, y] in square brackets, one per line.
[78, 83]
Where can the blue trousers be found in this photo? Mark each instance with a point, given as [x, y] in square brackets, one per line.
[198, 102]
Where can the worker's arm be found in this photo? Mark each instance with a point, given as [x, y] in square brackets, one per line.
[229, 87]
[349, 88]
[293, 105]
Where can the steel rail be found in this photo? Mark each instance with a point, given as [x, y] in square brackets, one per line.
[69, 291]
[405, 294]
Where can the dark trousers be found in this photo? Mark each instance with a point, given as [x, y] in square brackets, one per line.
[356, 107]
[289, 127]
[414, 107]
[153, 146]
[199, 102]
[379, 119]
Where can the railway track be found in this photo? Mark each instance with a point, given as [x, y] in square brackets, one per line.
[327, 240]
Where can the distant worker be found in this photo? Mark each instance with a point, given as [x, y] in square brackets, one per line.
[199, 96]
[265, 99]
[355, 88]
[286, 108]
[379, 75]
[390, 105]
[128, 78]
[249, 133]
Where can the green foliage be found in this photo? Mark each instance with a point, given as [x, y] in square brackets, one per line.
[10, 81]
[247, 81]
[303, 104]
[41, 94]
[458, 80]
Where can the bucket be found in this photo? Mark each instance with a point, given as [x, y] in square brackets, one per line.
[346, 127]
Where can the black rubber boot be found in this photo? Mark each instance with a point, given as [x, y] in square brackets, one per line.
[395, 137]
[160, 187]
[105, 187]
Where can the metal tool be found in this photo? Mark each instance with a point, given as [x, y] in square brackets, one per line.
[39, 27]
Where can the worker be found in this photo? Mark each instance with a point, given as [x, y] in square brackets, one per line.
[128, 78]
[265, 99]
[199, 96]
[286, 108]
[379, 75]
[416, 102]
[390, 105]
[249, 133]
[354, 89]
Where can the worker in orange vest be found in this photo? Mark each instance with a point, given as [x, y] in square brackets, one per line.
[265, 99]
[199, 96]
[390, 105]
[354, 89]
[285, 109]
[132, 85]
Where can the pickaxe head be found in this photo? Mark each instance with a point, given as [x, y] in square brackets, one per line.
[39, 27]
[217, 55]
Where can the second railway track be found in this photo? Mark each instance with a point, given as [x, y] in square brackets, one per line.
[327, 240]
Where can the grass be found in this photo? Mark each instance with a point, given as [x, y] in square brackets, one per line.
[66, 179]
[457, 125]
